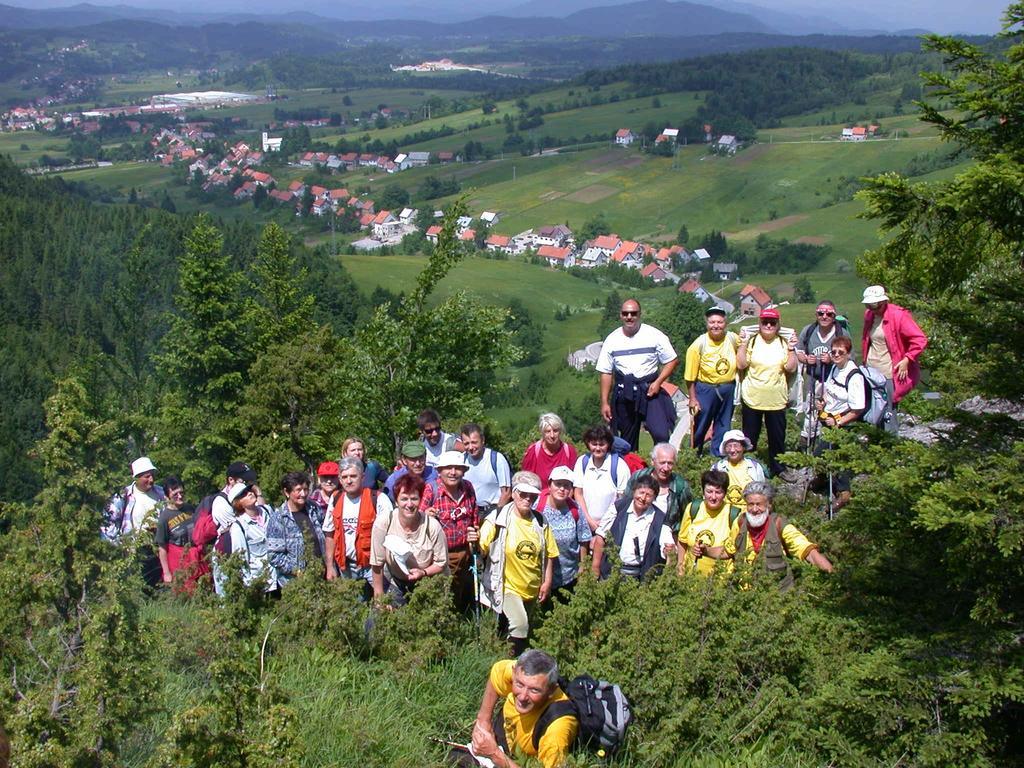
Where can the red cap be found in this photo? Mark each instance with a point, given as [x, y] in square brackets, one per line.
[769, 314]
[327, 468]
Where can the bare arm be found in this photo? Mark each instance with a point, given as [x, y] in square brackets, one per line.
[663, 374]
[598, 546]
[329, 564]
[549, 577]
[819, 561]
[378, 581]
[606, 395]
[484, 743]
[165, 565]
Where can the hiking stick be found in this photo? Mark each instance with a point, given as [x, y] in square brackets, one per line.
[693, 426]
[831, 513]
[475, 569]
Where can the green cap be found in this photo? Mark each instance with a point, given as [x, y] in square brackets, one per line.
[414, 449]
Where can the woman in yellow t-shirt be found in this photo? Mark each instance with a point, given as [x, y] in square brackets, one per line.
[766, 359]
[521, 552]
[708, 525]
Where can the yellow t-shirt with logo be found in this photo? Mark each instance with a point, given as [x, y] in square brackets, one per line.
[739, 476]
[710, 361]
[711, 530]
[524, 554]
[557, 739]
[764, 382]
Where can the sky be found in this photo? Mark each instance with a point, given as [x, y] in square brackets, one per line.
[943, 16]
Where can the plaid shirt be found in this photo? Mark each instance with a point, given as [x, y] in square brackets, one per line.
[285, 545]
[455, 517]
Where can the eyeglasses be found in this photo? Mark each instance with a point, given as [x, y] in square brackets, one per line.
[626, 313]
[838, 352]
[769, 322]
[825, 314]
[431, 430]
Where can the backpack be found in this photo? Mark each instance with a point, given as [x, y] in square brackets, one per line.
[564, 450]
[615, 466]
[878, 409]
[542, 502]
[494, 461]
[734, 512]
[205, 531]
[601, 708]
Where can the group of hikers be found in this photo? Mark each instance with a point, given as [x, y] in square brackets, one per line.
[515, 541]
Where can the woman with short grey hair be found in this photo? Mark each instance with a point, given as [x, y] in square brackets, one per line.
[550, 451]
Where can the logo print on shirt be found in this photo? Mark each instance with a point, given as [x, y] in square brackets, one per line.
[526, 550]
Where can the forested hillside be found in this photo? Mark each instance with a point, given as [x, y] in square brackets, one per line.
[88, 288]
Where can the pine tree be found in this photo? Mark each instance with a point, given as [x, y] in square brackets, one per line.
[281, 309]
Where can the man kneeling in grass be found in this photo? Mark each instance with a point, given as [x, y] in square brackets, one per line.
[526, 687]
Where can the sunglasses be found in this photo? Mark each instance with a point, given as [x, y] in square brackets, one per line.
[826, 314]
[769, 322]
[838, 352]
[431, 430]
[625, 313]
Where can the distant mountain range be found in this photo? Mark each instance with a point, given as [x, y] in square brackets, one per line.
[533, 19]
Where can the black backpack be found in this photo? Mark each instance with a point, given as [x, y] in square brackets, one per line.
[601, 708]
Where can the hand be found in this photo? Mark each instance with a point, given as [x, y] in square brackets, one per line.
[545, 592]
[431, 511]
[168, 578]
[415, 574]
[902, 367]
[606, 412]
[654, 389]
[667, 550]
[332, 572]
[698, 550]
[483, 740]
[472, 535]
[744, 335]
[803, 357]
[694, 405]
[792, 342]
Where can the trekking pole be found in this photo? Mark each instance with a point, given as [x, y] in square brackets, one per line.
[475, 569]
[831, 512]
[693, 426]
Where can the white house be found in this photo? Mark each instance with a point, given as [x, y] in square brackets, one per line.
[384, 225]
[271, 144]
[490, 218]
[557, 235]
[727, 144]
[725, 270]
[418, 159]
[702, 255]
[557, 257]
[402, 161]
[624, 137]
[407, 216]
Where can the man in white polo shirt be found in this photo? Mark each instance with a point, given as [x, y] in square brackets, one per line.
[635, 361]
[489, 471]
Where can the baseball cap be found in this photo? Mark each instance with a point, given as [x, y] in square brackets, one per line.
[561, 473]
[413, 449]
[327, 468]
[242, 471]
[769, 314]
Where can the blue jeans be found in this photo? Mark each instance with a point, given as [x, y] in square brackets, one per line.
[716, 404]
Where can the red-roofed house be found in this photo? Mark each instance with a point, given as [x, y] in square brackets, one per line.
[467, 235]
[433, 232]
[655, 272]
[628, 254]
[384, 225]
[320, 207]
[752, 300]
[281, 196]
[296, 188]
[366, 220]
[597, 251]
[694, 287]
[263, 179]
[557, 257]
[497, 242]
[245, 191]
[624, 137]
[339, 195]
[319, 193]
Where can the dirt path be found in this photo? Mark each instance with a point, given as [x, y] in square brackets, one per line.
[766, 226]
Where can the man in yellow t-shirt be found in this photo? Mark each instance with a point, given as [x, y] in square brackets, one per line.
[704, 534]
[710, 373]
[527, 686]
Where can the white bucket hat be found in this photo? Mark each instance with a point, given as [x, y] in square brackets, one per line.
[142, 465]
[452, 459]
[738, 436]
[874, 294]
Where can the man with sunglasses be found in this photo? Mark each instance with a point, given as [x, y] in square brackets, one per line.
[635, 361]
[812, 351]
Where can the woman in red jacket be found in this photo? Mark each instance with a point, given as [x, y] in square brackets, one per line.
[891, 342]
